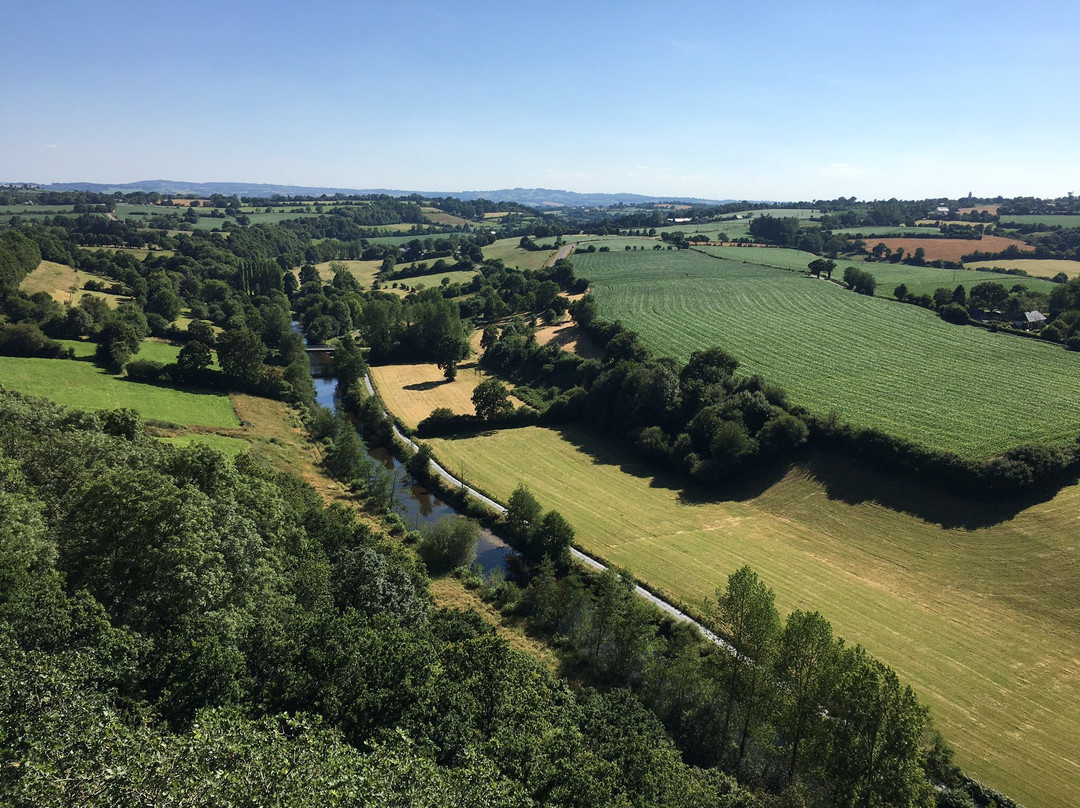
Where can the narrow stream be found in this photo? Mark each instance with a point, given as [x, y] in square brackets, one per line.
[416, 504]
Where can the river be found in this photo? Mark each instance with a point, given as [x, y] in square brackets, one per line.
[416, 504]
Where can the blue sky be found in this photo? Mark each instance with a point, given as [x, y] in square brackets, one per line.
[783, 100]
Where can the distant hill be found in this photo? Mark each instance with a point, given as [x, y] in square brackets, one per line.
[535, 197]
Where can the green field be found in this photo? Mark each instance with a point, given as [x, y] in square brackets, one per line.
[1049, 219]
[873, 361]
[778, 257]
[977, 608]
[614, 243]
[40, 210]
[924, 280]
[512, 255]
[867, 232]
[428, 281]
[363, 271]
[919, 280]
[83, 385]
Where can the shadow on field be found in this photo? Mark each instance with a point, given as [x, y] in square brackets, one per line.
[853, 482]
[607, 453]
[426, 385]
[843, 479]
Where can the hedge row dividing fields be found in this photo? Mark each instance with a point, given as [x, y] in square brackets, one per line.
[875, 362]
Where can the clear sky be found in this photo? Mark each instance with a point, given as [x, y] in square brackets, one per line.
[748, 100]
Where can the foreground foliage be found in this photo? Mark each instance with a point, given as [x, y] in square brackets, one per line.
[177, 628]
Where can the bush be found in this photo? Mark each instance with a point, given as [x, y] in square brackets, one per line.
[26, 339]
[954, 313]
[449, 543]
[144, 370]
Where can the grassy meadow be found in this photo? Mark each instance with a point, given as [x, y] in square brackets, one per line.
[875, 362]
[924, 280]
[57, 280]
[1048, 219]
[363, 271]
[512, 255]
[978, 608]
[81, 384]
[430, 280]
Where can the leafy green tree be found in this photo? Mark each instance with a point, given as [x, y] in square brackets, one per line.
[117, 341]
[193, 358]
[491, 399]
[805, 667]
[448, 543]
[552, 537]
[744, 613]
[242, 355]
[202, 331]
[349, 364]
[523, 513]
[489, 337]
[900, 292]
[872, 750]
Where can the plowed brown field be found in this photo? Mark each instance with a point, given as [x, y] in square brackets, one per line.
[949, 249]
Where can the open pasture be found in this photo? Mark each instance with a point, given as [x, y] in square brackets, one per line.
[614, 243]
[58, 281]
[949, 249]
[875, 362]
[412, 392]
[81, 384]
[867, 232]
[428, 281]
[983, 618]
[507, 250]
[1048, 219]
[779, 257]
[363, 271]
[436, 216]
[35, 210]
[924, 280]
[1036, 268]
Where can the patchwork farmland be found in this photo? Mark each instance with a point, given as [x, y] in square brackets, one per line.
[876, 363]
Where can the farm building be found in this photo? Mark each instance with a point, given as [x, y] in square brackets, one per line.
[1032, 320]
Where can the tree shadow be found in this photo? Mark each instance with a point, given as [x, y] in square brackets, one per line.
[422, 386]
[855, 482]
[844, 479]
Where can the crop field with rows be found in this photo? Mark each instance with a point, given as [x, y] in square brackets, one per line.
[875, 362]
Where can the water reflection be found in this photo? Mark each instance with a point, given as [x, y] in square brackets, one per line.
[416, 505]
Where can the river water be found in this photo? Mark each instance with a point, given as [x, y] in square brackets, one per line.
[416, 505]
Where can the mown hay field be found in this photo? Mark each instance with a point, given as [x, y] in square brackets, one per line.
[977, 607]
[875, 362]
[924, 280]
[412, 392]
[431, 280]
[1039, 268]
[919, 280]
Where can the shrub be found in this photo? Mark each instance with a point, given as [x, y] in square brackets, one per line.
[448, 543]
[144, 370]
[954, 313]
